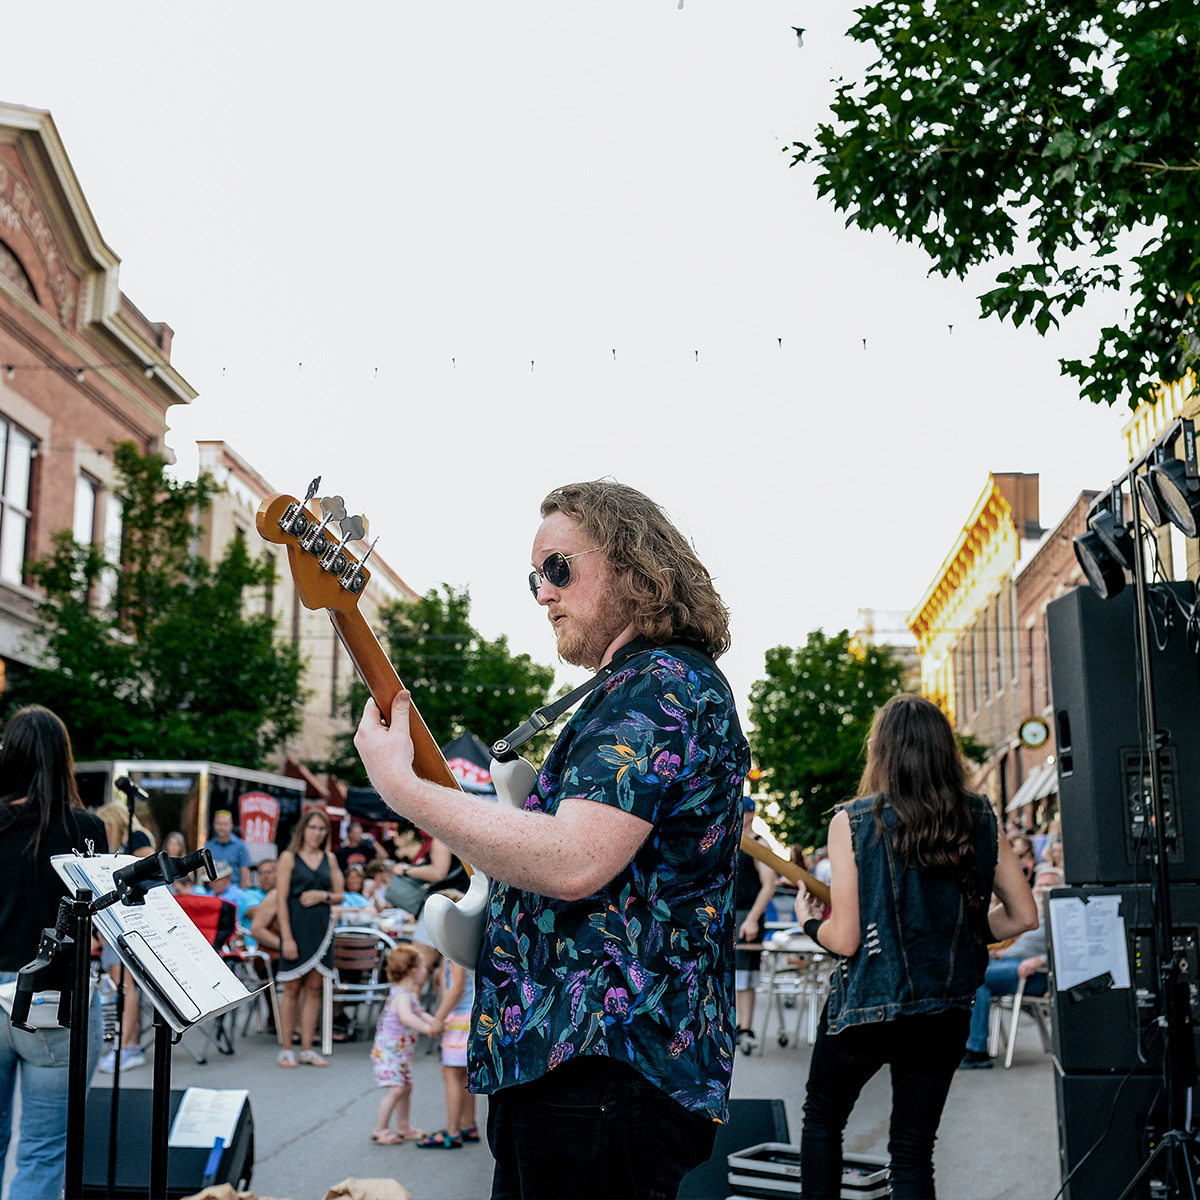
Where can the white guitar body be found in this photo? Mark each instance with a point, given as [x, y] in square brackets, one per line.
[456, 927]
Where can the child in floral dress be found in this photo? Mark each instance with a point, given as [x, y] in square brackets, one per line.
[395, 1037]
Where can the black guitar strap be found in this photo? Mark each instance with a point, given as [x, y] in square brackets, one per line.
[505, 750]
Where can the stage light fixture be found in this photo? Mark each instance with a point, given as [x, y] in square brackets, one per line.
[1177, 483]
[1148, 492]
[1106, 551]
[1109, 525]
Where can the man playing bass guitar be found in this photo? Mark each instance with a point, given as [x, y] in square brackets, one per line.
[602, 1027]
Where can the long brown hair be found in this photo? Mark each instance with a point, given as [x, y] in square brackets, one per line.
[914, 764]
[36, 765]
[297, 841]
[670, 593]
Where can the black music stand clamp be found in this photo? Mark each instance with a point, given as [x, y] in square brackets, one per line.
[61, 965]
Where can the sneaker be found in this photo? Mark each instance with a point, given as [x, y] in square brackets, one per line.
[975, 1060]
[131, 1056]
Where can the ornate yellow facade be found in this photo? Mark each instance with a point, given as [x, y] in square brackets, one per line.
[982, 557]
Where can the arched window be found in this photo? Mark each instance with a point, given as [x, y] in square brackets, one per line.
[11, 269]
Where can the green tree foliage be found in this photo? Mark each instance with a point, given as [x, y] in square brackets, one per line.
[1038, 131]
[810, 717]
[172, 666]
[459, 679]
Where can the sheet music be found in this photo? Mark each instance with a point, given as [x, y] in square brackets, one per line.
[1089, 939]
[206, 1114]
[159, 942]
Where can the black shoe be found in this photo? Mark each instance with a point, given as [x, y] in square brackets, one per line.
[976, 1060]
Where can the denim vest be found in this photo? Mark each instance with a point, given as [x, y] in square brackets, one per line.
[917, 953]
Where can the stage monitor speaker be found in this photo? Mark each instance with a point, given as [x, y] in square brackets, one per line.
[1103, 771]
[1118, 1122]
[750, 1123]
[1115, 1030]
[185, 1165]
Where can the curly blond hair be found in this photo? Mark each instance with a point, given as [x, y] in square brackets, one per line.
[669, 591]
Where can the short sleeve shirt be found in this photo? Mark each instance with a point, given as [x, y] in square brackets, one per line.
[642, 971]
[235, 851]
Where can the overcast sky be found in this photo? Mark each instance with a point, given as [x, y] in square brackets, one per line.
[453, 214]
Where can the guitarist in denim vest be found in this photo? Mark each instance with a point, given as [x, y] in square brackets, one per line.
[915, 860]
[603, 1027]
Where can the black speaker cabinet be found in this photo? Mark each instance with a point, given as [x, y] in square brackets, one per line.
[1126, 1122]
[1114, 1031]
[751, 1122]
[185, 1165]
[1104, 774]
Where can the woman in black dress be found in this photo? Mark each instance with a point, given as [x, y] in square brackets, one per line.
[309, 876]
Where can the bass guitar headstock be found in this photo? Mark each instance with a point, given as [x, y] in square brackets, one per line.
[325, 573]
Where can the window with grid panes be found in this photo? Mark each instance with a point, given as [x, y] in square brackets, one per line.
[16, 497]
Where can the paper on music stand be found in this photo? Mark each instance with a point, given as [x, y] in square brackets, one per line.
[206, 1114]
[1089, 939]
[182, 973]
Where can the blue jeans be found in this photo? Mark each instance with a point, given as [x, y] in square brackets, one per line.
[40, 1059]
[1000, 979]
[923, 1052]
[593, 1129]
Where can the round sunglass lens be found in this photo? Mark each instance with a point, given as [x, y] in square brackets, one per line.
[557, 570]
[535, 583]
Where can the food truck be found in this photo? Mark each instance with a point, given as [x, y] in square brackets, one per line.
[184, 796]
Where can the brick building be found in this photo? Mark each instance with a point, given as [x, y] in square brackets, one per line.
[966, 626]
[80, 368]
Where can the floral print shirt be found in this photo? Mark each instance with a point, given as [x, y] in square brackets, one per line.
[642, 971]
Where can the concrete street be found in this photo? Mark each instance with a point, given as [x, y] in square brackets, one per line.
[312, 1127]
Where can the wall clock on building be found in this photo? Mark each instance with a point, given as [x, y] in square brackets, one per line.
[1034, 732]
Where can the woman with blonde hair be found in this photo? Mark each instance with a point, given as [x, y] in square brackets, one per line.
[915, 859]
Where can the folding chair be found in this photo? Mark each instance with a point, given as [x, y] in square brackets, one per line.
[359, 977]
[217, 920]
[1038, 1007]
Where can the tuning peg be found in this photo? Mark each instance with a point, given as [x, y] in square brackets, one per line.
[352, 580]
[334, 507]
[312, 489]
[353, 529]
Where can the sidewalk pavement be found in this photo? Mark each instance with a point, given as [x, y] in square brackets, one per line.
[312, 1126]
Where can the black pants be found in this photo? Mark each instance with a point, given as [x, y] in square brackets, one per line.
[924, 1053]
[593, 1129]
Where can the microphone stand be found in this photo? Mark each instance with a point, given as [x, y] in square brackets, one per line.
[131, 792]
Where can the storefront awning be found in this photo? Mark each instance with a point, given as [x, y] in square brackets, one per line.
[1037, 787]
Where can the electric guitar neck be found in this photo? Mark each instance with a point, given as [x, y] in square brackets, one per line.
[327, 575]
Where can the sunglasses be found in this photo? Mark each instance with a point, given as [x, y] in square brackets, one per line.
[556, 570]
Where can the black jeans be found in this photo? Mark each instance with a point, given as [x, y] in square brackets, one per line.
[593, 1129]
[924, 1053]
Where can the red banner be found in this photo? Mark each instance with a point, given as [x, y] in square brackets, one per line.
[258, 816]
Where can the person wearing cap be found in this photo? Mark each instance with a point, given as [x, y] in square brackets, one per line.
[753, 888]
[224, 886]
[226, 846]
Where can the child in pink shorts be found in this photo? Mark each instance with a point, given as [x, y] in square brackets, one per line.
[395, 1037]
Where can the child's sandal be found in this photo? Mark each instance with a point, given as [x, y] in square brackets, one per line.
[310, 1058]
[442, 1140]
[386, 1137]
[470, 1135]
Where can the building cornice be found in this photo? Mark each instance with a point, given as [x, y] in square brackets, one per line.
[990, 521]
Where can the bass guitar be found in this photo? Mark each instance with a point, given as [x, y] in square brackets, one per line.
[327, 575]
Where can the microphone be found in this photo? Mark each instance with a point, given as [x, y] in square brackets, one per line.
[201, 859]
[124, 784]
